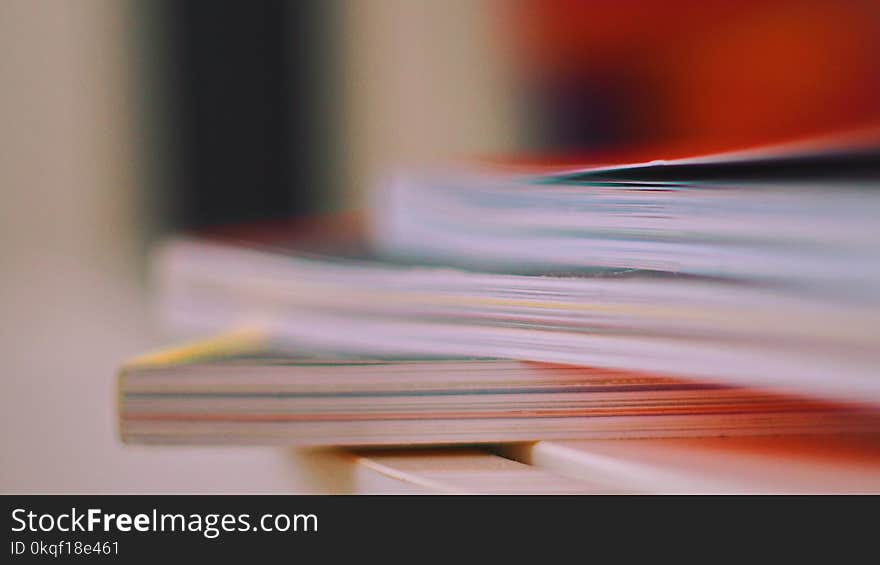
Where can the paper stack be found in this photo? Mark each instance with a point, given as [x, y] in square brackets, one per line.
[726, 295]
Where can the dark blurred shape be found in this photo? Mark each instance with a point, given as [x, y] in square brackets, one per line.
[696, 75]
[245, 110]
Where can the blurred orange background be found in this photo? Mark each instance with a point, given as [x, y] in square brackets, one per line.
[697, 75]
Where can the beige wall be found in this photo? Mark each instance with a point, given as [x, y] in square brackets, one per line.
[65, 152]
[423, 80]
[71, 304]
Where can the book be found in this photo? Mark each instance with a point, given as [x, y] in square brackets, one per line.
[799, 215]
[334, 297]
[719, 465]
[233, 390]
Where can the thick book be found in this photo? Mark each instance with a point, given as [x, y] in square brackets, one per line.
[329, 294]
[233, 390]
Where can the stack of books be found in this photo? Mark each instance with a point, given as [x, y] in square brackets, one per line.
[615, 328]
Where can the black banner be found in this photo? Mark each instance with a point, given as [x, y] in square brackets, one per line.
[125, 528]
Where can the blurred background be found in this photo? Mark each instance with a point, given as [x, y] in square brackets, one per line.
[124, 121]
